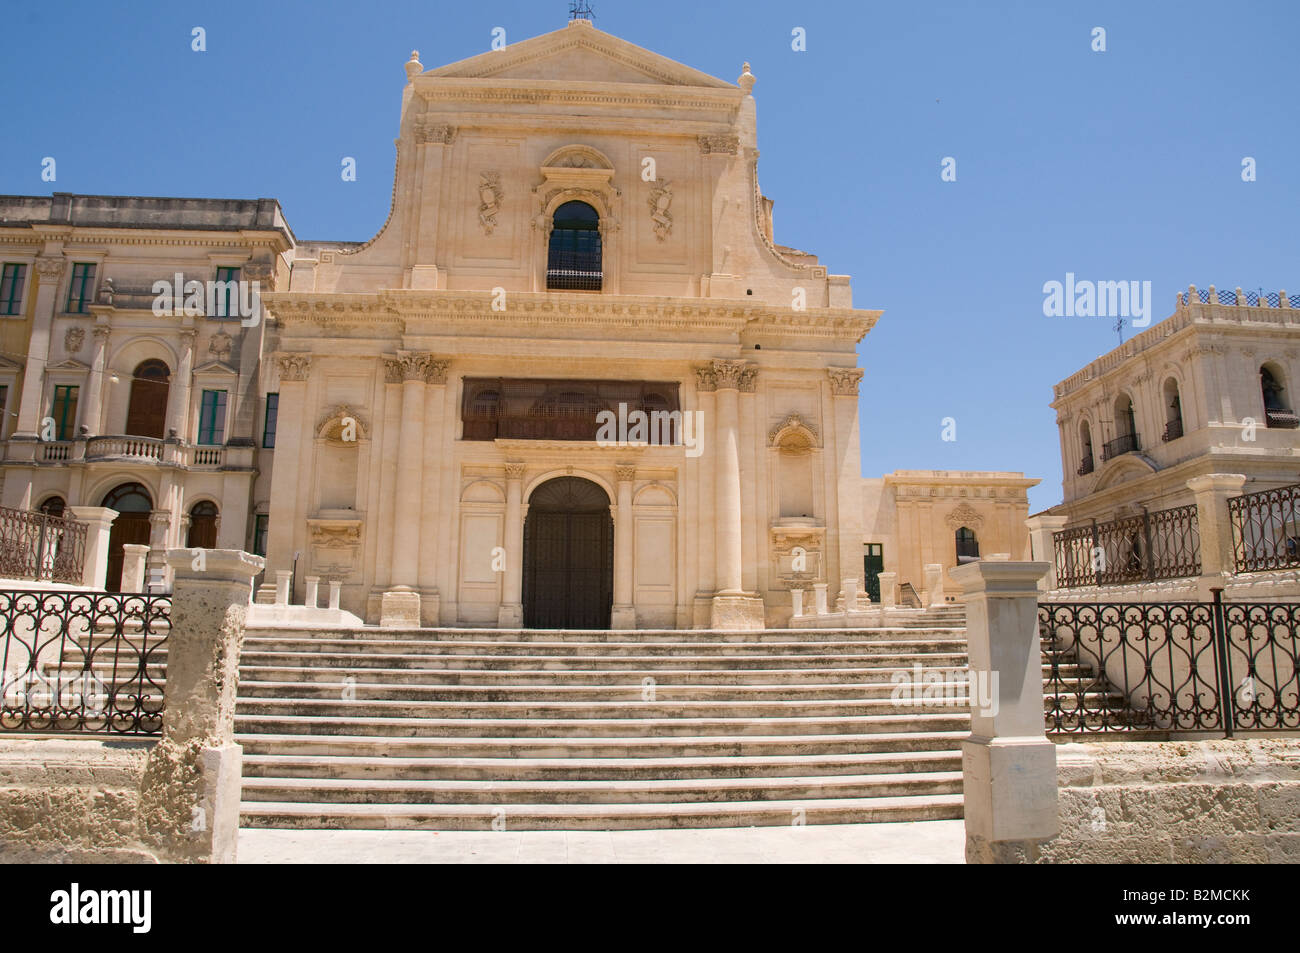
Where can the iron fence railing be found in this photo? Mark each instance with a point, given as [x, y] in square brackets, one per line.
[83, 662]
[1171, 667]
[1165, 544]
[40, 547]
[1271, 299]
[1266, 529]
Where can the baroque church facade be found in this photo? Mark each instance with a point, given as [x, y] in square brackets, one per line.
[573, 381]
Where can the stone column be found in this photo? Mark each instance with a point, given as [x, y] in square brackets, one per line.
[436, 473]
[733, 608]
[178, 396]
[99, 523]
[847, 460]
[624, 615]
[401, 602]
[1215, 524]
[286, 477]
[134, 558]
[1042, 545]
[94, 407]
[49, 273]
[189, 798]
[1008, 765]
[511, 613]
[888, 585]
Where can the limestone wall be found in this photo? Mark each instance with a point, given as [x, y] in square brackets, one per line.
[73, 801]
[1183, 802]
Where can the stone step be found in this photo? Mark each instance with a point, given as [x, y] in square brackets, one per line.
[626, 691]
[720, 678]
[676, 791]
[595, 769]
[576, 817]
[389, 648]
[566, 728]
[628, 663]
[600, 711]
[714, 746]
[609, 637]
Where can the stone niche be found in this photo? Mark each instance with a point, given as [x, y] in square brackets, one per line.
[797, 548]
[335, 540]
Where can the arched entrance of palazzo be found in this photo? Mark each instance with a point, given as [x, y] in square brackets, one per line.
[568, 556]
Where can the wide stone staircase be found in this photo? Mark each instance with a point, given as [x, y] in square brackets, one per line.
[447, 729]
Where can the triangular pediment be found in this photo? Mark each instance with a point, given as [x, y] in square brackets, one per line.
[578, 53]
[220, 368]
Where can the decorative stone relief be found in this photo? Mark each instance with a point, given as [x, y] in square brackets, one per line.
[50, 267]
[718, 145]
[490, 195]
[428, 130]
[792, 422]
[515, 470]
[437, 373]
[219, 345]
[964, 515]
[704, 379]
[331, 426]
[625, 472]
[411, 365]
[73, 339]
[844, 380]
[294, 367]
[734, 374]
[660, 198]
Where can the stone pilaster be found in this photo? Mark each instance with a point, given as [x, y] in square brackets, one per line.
[99, 523]
[49, 274]
[733, 608]
[401, 602]
[178, 397]
[624, 614]
[511, 613]
[93, 411]
[286, 475]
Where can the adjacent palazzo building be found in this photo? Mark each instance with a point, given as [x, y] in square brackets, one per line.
[576, 228]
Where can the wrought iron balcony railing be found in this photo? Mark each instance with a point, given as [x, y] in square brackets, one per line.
[1266, 529]
[1173, 430]
[1165, 544]
[1125, 443]
[41, 547]
[1282, 419]
[1086, 467]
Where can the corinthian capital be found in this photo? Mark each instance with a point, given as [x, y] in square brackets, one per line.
[738, 375]
[50, 267]
[294, 367]
[845, 380]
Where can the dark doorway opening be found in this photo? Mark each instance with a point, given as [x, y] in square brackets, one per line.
[133, 504]
[568, 556]
[146, 413]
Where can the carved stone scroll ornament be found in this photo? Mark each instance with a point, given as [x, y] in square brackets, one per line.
[73, 340]
[964, 515]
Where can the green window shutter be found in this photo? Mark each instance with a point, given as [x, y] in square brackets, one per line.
[212, 418]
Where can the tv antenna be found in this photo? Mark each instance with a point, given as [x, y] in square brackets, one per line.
[1119, 328]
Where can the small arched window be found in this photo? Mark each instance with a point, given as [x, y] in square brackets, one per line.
[1173, 411]
[573, 259]
[1086, 464]
[54, 506]
[203, 526]
[1277, 412]
[968, 546]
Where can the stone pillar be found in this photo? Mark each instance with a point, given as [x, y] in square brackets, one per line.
[283, 579]
[1042, 544]
[99, 523]
[286, 479]
[849, 593]
[312, 599]
[511, 613]
[1212, 492]
[819, 597]
[189, 798]
[733, 608]
[178, 396]
[336, 592]
[401, 602]
[934, 584]
[796, 603]
[94, 407]
[160, 530]
[888, 586]
[1008, 765]
[49, 274]
[134, 558]
[624, 615]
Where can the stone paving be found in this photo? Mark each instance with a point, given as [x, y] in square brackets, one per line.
[928, 842]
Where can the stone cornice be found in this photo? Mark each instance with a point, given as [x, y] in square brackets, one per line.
[557, 93]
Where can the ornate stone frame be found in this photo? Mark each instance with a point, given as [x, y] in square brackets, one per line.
[592, 183]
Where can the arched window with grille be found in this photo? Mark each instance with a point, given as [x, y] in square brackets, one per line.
[968, 546]
[573, 259]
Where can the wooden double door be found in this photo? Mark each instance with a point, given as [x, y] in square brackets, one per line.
[568, 572]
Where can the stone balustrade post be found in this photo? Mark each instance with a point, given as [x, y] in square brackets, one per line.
[934, 584]
[336, 592]
[819, 598]
[1212, 492]
[99, 524]
[796, 603]
[283, 577]
[312, 598]
[1042, 543]
[135, 558]
[1008, 765]
[189, 799]
[888, 586]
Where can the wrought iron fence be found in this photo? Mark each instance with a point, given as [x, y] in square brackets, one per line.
[1165, 544]
[1171, 667]
[1266, 529]
[41, 547]
[83, 662]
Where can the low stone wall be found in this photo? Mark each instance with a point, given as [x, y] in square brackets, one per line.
[1182, 802]
[73, 801]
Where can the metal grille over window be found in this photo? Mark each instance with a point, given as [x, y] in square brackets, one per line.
[573, 258]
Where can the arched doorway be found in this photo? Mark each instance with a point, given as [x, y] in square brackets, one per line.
[133, 504]
[203, 526]
[146, 414]
[568, 556]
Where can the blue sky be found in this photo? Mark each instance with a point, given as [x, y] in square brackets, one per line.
[1122, 165]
